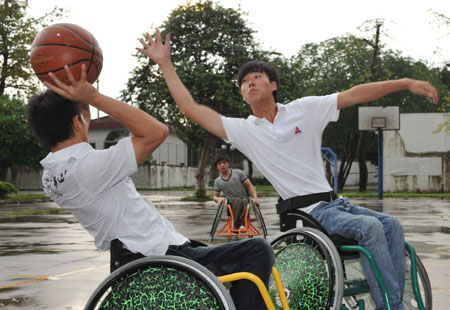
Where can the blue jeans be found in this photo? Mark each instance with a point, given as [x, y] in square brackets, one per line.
[247, 255]
[380, 233]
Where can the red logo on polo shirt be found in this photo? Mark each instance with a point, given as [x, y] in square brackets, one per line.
[297, 130]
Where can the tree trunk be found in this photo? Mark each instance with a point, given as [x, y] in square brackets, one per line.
[201, 188]
[3, 173]
[363, 172]
[3, 74]
[328, 173]
[250, 169]
[347, 160]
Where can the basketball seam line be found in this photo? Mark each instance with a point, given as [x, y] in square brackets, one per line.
[77, 33]
[72, 64]
[71, 46]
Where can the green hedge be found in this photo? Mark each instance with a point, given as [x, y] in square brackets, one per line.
[7, 188]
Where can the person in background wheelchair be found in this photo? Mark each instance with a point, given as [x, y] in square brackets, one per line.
[94, 185]
[236, 186]
[284, 140]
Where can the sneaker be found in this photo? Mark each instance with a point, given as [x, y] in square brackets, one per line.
[242, 227]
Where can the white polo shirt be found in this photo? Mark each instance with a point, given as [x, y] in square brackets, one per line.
[287, 151]
[94, 186]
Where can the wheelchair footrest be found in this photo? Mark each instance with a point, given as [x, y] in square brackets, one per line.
[355, 287]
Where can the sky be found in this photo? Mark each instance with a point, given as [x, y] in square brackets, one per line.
[282, 25]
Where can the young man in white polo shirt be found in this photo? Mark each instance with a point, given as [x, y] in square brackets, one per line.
[95, 186]
[284, 141]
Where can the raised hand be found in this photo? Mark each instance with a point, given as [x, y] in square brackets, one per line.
[158, 51]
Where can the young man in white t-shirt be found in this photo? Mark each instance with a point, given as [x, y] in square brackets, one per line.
[95, 186]
[284, 141]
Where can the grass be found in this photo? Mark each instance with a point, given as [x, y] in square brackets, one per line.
[12, 198]
[396, 195]
[269, 191]
[197, 199]
[13, 215]
[168, 189]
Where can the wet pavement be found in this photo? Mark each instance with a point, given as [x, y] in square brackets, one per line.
[50, 262]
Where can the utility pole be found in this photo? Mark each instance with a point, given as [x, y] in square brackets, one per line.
[98, 88]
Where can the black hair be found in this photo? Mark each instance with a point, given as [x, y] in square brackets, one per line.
[51, 117]
[221, 157]
[260, 66]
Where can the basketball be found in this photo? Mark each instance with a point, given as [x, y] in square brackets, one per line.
[66, 44]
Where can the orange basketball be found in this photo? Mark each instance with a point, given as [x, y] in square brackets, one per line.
[66, 44]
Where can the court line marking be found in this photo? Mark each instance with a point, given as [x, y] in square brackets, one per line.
[432, 251]
[445, 290]
[42, 278]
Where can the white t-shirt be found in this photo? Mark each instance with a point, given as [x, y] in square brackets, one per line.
[287, 151]
[94, 185]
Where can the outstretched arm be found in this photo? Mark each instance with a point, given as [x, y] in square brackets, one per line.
[148, 133]
[202, 115]
[373, 91]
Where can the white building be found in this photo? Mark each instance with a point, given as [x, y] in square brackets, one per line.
[415, 158]
[105, 131]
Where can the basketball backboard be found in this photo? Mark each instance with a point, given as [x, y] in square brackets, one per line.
[378, 118]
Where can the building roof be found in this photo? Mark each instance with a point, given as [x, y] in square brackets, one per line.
[105, 122]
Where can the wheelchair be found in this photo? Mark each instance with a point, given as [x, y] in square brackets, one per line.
[348, 283]
[310, 272]
[304, 278]
[254, 222]
[172, 282]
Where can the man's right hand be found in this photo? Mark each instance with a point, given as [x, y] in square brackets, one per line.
[220, 201]
[79, 91]
[155, 49]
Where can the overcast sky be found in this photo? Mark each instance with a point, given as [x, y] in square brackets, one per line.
[283, 25]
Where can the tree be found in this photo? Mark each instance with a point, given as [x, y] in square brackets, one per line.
[17, 31]
[18, 145]
[443, 23]
[209, 43]
[340, 63]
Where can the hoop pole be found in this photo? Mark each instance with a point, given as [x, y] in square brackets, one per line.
[380, 163]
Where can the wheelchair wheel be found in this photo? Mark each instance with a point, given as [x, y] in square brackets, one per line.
[310, 268]
[259, 219]
[354, 271]
[161, 282]
[409, 298]
[217, 219]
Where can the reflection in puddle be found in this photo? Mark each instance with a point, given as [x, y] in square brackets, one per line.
[16, 301]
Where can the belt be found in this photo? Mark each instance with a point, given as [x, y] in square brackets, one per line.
[304, 201]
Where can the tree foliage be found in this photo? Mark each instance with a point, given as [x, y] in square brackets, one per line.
[17, 31]
[443, 23]
[18, 145]
[340, 63]
[209, 44]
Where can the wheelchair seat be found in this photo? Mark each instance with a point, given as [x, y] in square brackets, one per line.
[254, 222]
[289, 220]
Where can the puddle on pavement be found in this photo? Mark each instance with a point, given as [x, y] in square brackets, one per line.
[14, 301]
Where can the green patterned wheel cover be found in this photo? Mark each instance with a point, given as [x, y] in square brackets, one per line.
[304, 274]
[160, 288]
